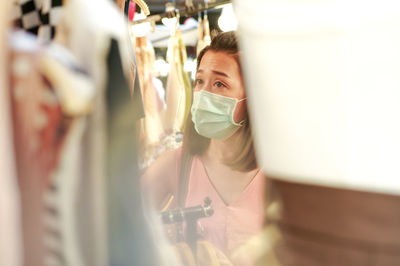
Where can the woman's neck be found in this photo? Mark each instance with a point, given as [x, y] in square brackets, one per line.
[218, 150]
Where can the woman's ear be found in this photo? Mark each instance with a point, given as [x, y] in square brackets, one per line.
[240, 113]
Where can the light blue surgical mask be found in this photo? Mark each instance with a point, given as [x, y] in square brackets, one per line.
[212, 115]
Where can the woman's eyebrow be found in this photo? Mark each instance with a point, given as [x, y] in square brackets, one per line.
[220, 73]
[215, 72]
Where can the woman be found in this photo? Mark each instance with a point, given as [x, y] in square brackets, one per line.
[217, 153]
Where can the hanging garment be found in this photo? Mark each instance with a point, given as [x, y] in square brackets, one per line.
[207, 36]
[179, 91]
[200, 32]
[10, 243]
[51, 13]
[151, 130]
[187, 86]
[87, 197]
[59, 216]
[39, 132]
[203, 34]
[39, 17]
[75, 93]
[27, 15]
[74, 87]
[10, 212]
[130, 236]
[108, 160]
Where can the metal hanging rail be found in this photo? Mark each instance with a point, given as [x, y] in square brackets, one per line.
[185, 12]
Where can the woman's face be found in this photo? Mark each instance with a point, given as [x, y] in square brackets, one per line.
[219, 73]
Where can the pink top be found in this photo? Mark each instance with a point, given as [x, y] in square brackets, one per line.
[230, 225]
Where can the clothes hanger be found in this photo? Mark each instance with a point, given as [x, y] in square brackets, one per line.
[172, 20]
[189, 6]
[200, 33]
[143, 6]
[200, 27]
[207, 37]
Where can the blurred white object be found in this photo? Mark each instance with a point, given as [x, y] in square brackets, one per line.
[162, 67]
[324, 90]
[141, 29]
[162, 33]
[227, 21]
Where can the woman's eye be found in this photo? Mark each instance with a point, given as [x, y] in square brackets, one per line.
[198, 82]
[219, 84]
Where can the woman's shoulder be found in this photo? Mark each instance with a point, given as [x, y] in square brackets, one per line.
[167, 159]
[164, 165]
[161, 177]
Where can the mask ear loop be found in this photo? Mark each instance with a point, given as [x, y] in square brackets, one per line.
[233, 113]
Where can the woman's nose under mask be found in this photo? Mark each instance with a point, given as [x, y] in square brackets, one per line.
[212, 115]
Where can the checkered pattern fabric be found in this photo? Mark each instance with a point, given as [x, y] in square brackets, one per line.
[27, 14]
[50, 15]
[39, 17]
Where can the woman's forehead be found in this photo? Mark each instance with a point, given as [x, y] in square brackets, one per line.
[219, 62]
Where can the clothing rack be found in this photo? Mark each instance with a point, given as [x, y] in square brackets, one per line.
[185, 12]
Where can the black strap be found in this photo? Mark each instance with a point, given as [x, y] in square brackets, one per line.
[186, 166]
